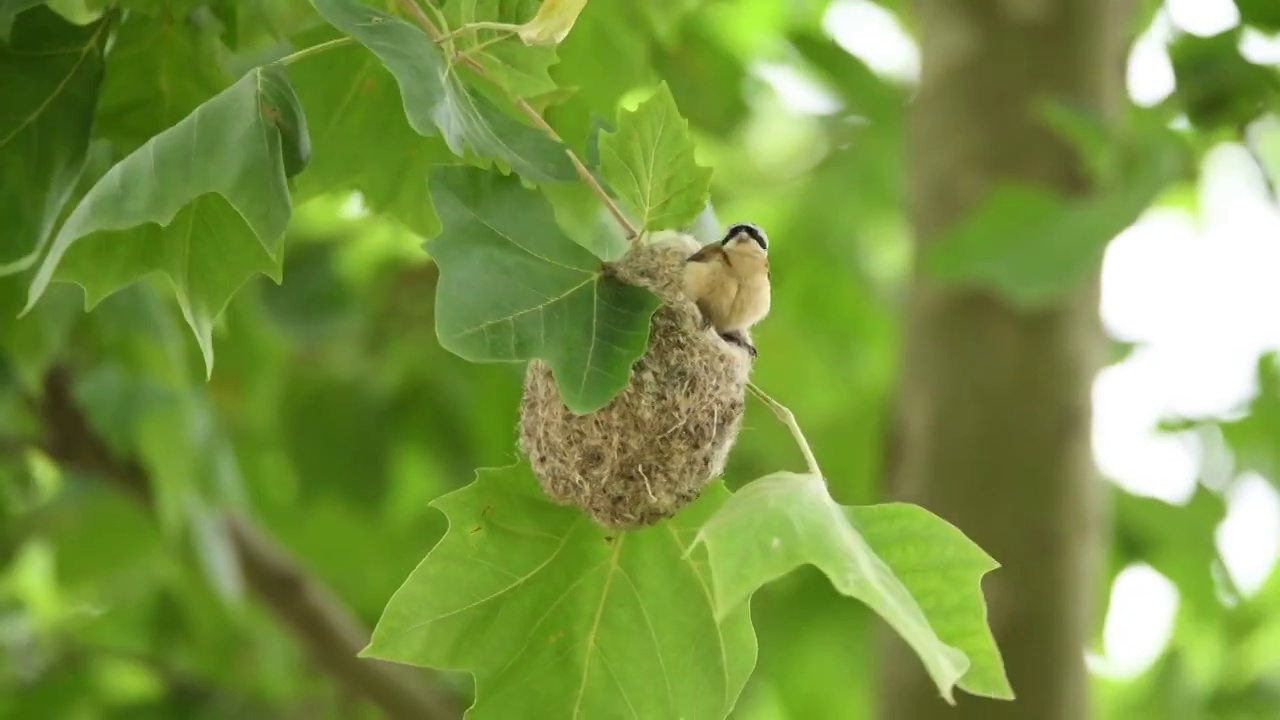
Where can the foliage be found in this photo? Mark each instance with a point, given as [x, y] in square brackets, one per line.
[589, 327]
[649, 162]
[550, 610]
[775, 524]
[51, 73]
[424, 230]
[208, 225]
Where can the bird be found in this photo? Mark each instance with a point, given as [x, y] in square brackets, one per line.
[729, 282]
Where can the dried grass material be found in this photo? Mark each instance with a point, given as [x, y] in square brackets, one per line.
[652, 449]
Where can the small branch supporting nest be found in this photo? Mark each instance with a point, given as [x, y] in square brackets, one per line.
[429, 27]
[789, 420]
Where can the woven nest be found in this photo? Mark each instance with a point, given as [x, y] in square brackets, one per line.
[652, 449]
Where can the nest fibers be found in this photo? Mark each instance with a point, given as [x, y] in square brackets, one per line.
[652, 449]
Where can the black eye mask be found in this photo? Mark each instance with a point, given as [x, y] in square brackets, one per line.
[751, 231]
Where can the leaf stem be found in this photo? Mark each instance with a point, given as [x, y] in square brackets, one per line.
[307, 52]
[424, 22]
[788, 419]
[474, 49]
[583, 172]
[477, 26]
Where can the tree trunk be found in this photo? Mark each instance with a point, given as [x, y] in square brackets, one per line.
[993, 413]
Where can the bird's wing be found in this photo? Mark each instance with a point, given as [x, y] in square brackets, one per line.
[708, 252]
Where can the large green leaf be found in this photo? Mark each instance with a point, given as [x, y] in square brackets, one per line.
[513, 287]
[205, 202]
[361, 140]
[250, 24]
[942, 569]
[598, 86]
[649, 163]
[435, 100]
[49, 78]
[550, 611]
[698, 62]
[160, 69]
[516, 67]
[9, 10]
[919, 573]
[1262, 14]
[1176, 540]
[36, 342]
[1216, 86]
[666, 16]
[1033, 245]
[867, 95]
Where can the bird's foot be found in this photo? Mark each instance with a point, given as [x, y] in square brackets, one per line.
[736, 338]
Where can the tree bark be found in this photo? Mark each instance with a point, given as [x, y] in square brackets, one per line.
[993, 413]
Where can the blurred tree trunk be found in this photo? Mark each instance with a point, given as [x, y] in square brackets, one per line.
[993, 415]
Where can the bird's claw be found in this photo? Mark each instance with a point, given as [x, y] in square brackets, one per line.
[737, 339]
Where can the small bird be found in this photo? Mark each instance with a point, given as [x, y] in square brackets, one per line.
[729, 282]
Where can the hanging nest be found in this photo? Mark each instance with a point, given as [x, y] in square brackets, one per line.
[652, 449]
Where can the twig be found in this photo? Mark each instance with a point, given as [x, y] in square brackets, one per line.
[428, 27]
[789, 420]
[477, 26]
[316, 49]
[322, 624]
[464, 54]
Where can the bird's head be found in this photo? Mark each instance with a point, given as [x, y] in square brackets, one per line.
[746, 236]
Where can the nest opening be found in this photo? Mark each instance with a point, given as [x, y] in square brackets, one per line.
[668, 433]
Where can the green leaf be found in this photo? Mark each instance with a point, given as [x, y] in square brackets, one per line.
[649, 163]
[666, 16]
[1262, 14]
[550, 611]
[942, 569]
[49, 78]
[1005, 244]
[579, 213]
[598, 86]
[693, 65]
[578, 210]
[435, 100]
[514, 66]
[361, 140]
[867, 94]
[10, 9]
[204, 202]
[160, 69]
[1033, 245]
[251, 24]
[599, 125]
[1176, 540]
[1252, 437]
[1216, 86]
[513, 287]
[36, 341]
[919, 573]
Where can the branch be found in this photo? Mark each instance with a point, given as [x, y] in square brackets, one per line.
[788, 419]
[307, 52]
[331, 633]
[429, 27]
